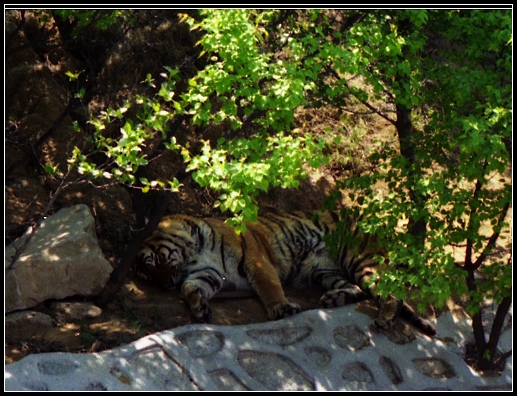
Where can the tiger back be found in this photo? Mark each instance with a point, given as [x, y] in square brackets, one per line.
[204, 256]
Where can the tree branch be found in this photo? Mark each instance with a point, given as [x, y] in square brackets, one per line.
[365, 103]
[376, 111]
[503, 357]
[71, 103]
[493, 238]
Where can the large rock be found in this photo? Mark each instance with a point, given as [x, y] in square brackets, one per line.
[22, 326]
[62, 259]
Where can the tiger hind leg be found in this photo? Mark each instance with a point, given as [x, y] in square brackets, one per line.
[392, 308]
[342, 293]
[345, 292]
[416, 320]
[350, 293]
[389, 310]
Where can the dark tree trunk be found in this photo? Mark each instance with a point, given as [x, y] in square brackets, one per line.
[404, 126]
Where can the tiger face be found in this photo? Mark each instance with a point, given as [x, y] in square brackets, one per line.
[161, 259]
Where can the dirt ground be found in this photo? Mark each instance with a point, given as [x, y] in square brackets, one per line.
[37, 94]
[140, 309]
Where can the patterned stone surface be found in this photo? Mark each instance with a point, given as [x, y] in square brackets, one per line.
[282, 335]
[315, 350]
[166, 373]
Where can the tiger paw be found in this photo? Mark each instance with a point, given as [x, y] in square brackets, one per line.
[197, 303]
[333, 298]
[380, 325]
[203, 314]
[283, 310]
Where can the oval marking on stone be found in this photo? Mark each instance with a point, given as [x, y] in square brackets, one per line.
[357, 372]
[351, 337]
[95, 386]
[201, 342]
[318, 355]
[281, 336]
[434, 367]
[400, 333]
[226, 380]
[36, 386]
[276, 372]
[391, 370]
[56, 367]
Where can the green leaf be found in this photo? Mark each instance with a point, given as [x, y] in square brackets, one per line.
[81, 93]
[73, 76]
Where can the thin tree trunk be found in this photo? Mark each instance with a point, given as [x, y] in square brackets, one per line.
[497, 325]
[124, 265]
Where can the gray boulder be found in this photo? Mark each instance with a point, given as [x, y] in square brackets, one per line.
[62, 259]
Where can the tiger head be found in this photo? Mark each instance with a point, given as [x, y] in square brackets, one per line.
[160, 260]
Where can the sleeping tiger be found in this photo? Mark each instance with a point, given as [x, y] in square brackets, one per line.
[203, 256]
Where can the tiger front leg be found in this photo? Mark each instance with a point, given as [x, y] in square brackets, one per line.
[273, 298]
[198, 288]
[197, 301]
[283, 310]
[264, 279]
